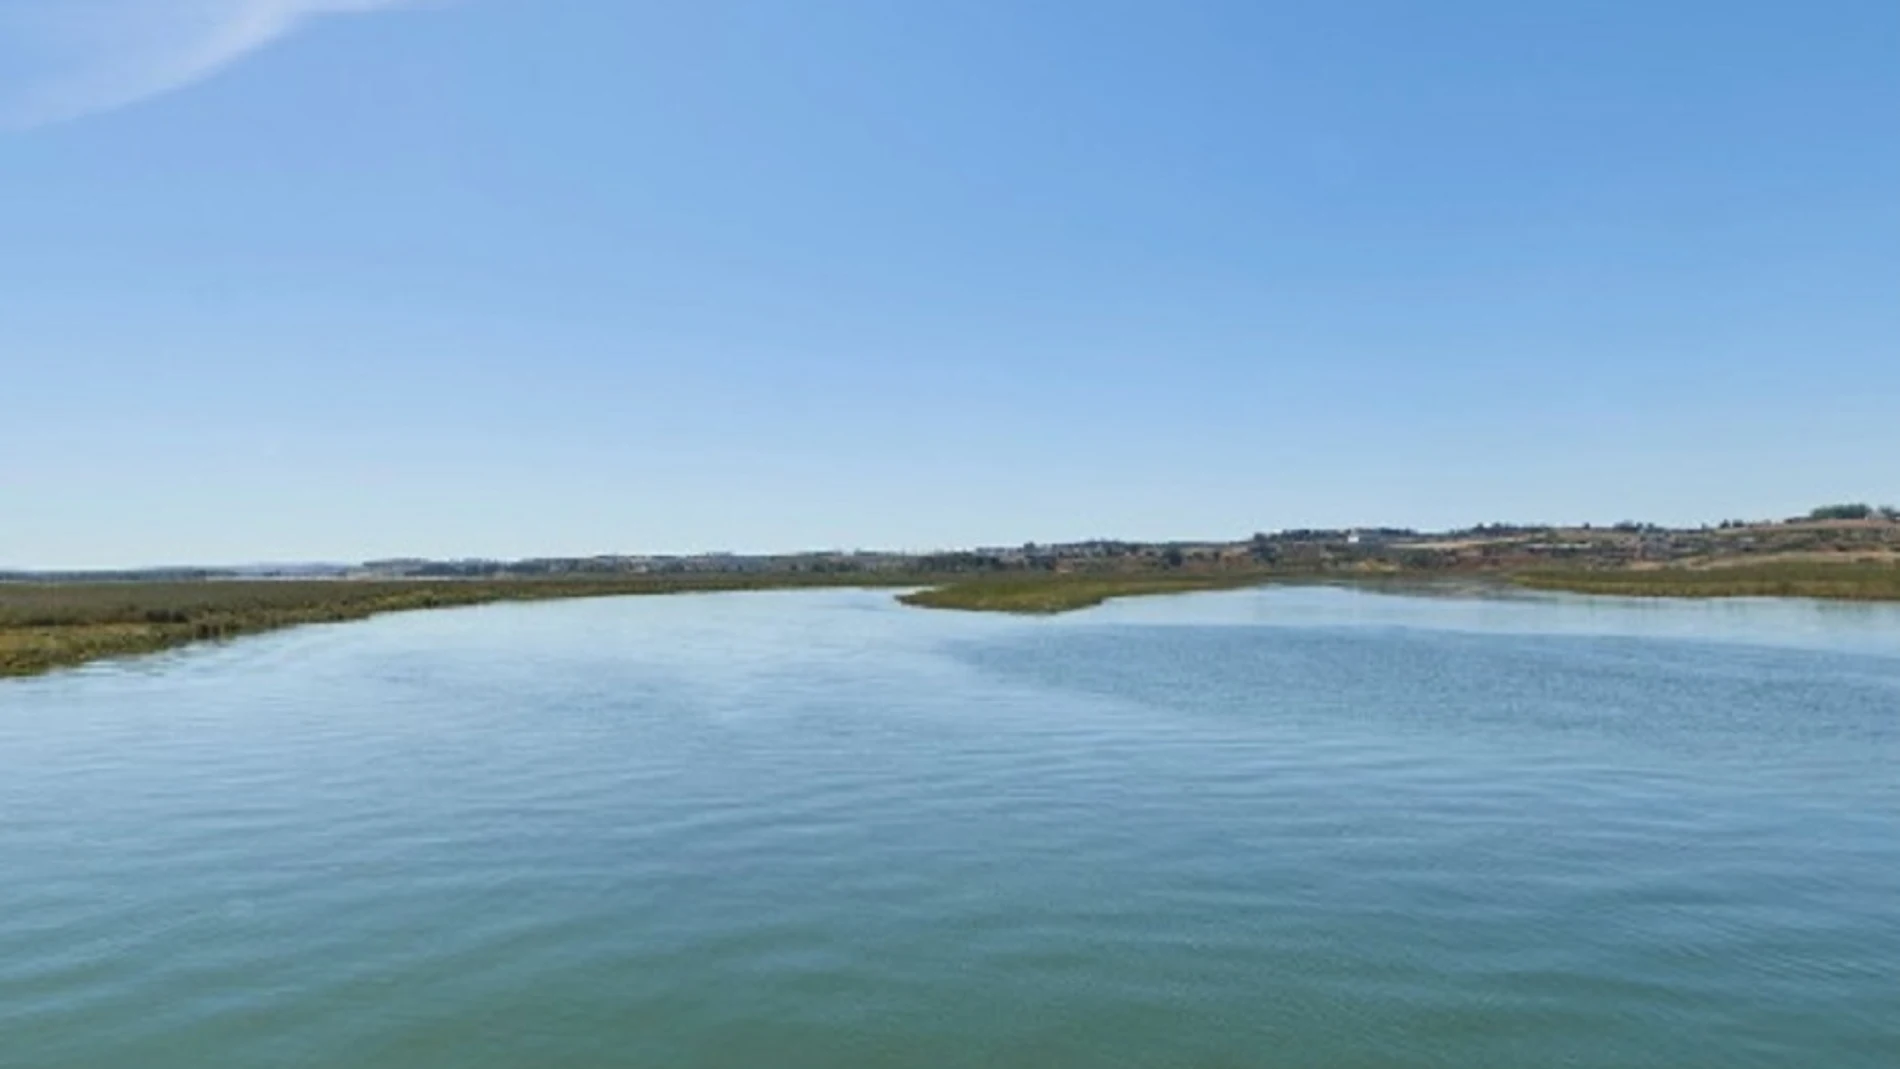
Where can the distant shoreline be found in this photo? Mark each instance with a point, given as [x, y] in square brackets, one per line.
[47, 626]
[1845, 581]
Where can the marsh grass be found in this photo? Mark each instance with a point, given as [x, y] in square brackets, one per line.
[50, 625]
[1047, 594]
[1858, 581]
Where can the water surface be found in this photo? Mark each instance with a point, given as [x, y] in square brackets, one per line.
[1293, 827]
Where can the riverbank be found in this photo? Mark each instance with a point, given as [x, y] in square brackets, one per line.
[1845, 581]
[44, 626]
[1059, 593]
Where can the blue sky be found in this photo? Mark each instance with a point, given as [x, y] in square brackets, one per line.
[333, 279]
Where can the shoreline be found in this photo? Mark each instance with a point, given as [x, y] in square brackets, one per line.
[50, 626]
[1053, 595]
[47, 627]
[1856, 581]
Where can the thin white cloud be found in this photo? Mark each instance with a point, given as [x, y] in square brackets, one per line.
[63, 59]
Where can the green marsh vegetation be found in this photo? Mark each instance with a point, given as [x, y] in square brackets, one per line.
[50, 625]
[55, 624]
[44, 626]
[1845, 581]
[1054, 593]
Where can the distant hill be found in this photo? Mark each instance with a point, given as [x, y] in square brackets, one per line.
[1834, 532]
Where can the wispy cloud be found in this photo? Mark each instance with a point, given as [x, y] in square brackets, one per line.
[63, 59]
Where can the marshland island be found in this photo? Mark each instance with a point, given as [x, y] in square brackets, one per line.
[50, 620]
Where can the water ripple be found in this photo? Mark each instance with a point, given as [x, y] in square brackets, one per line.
[814, 829]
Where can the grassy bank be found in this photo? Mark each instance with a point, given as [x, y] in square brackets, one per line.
[47, 626]
[1043, 594]
[1845, 582]
[52, 625]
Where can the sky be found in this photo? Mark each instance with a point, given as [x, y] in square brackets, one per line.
[339, 279]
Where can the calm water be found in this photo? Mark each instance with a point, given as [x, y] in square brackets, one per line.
[1305, 827]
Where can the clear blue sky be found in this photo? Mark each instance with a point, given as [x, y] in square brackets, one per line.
[333, 279]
